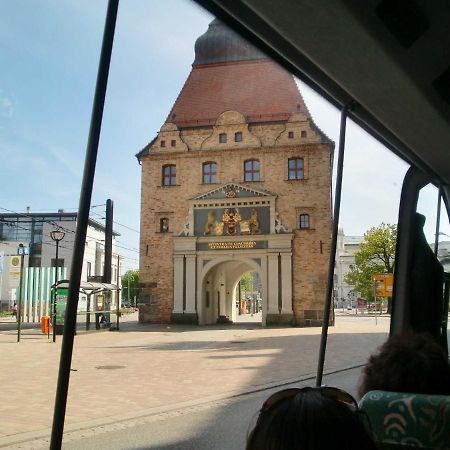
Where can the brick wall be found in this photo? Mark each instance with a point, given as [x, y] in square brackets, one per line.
[271, 145]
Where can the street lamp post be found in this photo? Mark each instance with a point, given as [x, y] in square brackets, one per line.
[21, 252]
[56, 235]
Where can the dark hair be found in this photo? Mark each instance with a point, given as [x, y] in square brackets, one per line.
[309, 421]
[412, 363]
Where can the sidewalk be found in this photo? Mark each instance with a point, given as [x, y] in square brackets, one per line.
[145, 368]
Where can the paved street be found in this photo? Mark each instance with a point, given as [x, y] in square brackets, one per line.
[169, 376]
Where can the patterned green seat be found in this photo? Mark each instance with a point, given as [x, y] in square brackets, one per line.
[408, 421]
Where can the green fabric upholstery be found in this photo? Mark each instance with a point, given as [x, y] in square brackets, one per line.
[408, 421]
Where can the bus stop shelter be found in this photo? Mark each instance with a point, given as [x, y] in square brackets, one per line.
[89, 289]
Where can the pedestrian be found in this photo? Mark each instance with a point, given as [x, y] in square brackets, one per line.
[14, 310]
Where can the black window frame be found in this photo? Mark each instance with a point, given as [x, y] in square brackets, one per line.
[304, 221]
[164, 225]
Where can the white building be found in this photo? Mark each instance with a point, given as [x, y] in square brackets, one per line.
[33, 231]
[347, 246]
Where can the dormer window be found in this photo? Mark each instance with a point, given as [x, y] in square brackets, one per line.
[222, 138]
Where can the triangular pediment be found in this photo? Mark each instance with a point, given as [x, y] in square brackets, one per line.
[233, 190]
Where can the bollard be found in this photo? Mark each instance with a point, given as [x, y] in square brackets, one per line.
[45, 324]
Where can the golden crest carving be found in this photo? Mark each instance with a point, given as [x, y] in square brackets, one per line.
[219, 228]
[210, 224]
[231, 223]
[250, 226]
[231, 219]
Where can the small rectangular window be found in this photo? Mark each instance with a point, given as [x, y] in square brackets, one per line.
[173, 143]
[304, 221]
[209, 173]
[296, 170]
[251, 170]
[238, 137]
[222, 138]
[303, 134]
[169, 175]
[291, 135]
[163, 143]
[164, 225]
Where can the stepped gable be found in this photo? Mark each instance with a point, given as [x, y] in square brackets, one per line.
[230, 74]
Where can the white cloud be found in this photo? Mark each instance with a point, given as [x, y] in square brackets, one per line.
[8, 103]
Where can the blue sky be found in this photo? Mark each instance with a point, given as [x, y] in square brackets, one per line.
[49, 53]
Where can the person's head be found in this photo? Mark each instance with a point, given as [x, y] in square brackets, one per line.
[309, 419]
[412, 363]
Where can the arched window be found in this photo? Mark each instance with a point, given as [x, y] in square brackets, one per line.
[169, 175]
[252, 170]
[164, 225]
[304, 221]
[296, 169]
[209, 172]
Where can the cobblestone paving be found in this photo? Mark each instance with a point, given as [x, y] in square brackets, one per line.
[145, 372]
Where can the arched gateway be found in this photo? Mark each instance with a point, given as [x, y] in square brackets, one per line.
[238, 179]
[234, 230]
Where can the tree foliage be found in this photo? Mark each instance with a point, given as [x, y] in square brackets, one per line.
[376, 255]
[130, 284]
[247, 282]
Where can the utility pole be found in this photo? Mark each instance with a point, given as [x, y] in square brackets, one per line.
[117, 292]
[108, 256]
[108, 241]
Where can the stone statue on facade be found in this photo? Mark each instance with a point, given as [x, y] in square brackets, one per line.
[279, 227]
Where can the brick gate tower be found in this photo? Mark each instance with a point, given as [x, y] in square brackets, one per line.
[237, 180]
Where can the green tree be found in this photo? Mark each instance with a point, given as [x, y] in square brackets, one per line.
[130, 285]
[376, 255]
[247, 282]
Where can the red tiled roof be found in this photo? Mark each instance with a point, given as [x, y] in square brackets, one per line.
[260, 90]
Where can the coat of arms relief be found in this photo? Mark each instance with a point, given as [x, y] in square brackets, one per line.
[231, 224]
